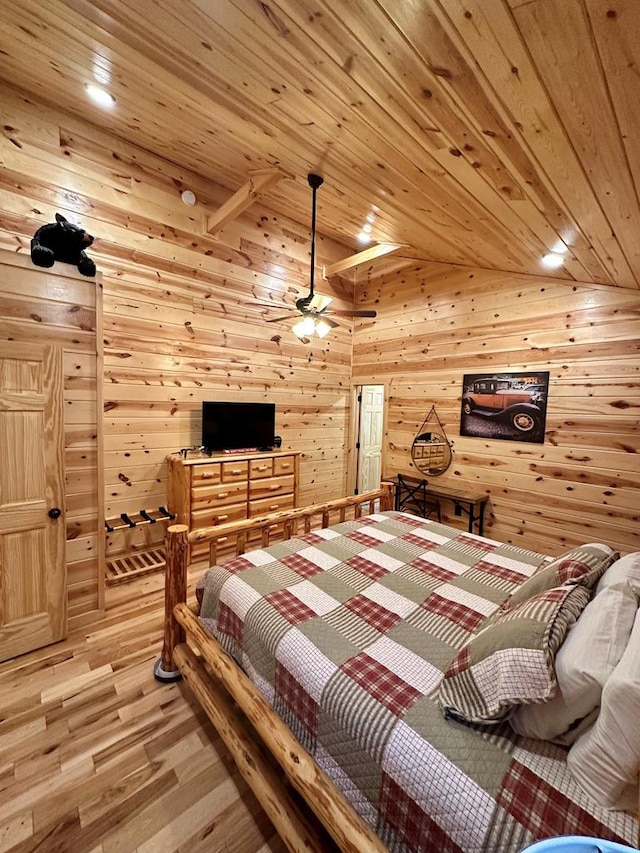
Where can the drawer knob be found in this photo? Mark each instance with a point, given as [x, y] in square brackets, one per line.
[223, 495]
[274, 488]
[223, 517]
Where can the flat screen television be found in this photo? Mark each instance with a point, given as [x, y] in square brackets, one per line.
[238, 426]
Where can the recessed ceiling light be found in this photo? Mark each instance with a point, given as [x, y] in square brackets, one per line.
[100, 95]
[101, 70]
[363, 237]
[553, 260]
[188, 197]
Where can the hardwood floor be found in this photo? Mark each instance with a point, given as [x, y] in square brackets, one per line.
[96, 756]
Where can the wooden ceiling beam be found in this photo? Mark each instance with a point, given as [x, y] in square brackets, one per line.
[260, 180]
[363, 257]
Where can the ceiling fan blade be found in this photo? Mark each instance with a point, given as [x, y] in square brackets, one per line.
[282, 306]
[355, 313]
[280, 319]
[319, 302]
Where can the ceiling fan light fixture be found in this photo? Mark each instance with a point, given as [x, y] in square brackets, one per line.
[303, 328]
[323, 327]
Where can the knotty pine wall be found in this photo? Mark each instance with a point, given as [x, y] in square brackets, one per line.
[583, 483]
[181, 319]
[182, 324]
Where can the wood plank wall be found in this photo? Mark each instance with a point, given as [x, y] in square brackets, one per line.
[182, 321]
[61, 307]
[182, 324]
[438, 322]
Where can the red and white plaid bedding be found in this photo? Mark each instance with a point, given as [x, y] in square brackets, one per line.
[347, 631]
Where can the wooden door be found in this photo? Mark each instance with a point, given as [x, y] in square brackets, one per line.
[33, 593]
[370, 431]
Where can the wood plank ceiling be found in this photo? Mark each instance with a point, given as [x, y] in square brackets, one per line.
[480, 132]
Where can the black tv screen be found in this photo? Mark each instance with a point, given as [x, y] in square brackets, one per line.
[238, 426]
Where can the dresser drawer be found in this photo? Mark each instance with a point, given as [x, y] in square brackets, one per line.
[265, 506]
[271, 486]
[212, 490]
[232, 472]
[284, 465]
[206, 474]
[208, 517]
[218, 494]
[259, 468]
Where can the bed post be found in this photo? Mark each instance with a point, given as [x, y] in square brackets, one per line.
[387, 500]
[175, 592]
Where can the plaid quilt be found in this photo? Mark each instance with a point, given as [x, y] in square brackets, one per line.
[347, 631]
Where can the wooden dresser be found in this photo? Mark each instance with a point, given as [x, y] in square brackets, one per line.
[207, 490]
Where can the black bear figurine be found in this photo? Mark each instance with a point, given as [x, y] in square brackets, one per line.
[62, 241]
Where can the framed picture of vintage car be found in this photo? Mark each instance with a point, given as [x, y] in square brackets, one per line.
[511, 406]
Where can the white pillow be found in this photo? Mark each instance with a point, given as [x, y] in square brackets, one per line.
[624, 570]
[586, 659]
[605, 759]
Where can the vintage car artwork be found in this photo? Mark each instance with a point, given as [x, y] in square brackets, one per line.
[518, 403]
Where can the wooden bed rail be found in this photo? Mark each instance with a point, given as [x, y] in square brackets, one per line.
[288, 523]
[237, 536]
[223, 689]
[348, 830]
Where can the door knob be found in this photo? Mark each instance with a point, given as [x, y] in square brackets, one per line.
[55, 512]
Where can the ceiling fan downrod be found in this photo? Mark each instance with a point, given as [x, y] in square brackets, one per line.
[315, 181]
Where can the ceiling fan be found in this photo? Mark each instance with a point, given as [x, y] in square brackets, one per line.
[314, 307]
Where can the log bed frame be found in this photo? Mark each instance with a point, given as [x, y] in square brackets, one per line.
[241, 715]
